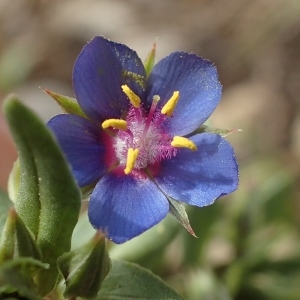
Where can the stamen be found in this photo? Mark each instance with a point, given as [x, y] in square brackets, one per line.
[132, 155]
[169, 107]
[133, 98]
[182, 142]
[115, 123]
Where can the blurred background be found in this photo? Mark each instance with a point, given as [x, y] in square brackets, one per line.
[248, 244]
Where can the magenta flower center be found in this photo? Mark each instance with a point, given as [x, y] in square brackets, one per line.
[147, 133]
[142, 139]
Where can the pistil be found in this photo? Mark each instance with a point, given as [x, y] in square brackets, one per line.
[156, 98]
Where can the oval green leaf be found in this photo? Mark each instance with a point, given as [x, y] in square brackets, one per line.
[48, 199]
[130, 281]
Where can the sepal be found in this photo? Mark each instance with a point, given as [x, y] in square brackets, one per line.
[219, 131]
[177, 210]
[150, 61]
[68, 104]
[84, 269]
[87, 191]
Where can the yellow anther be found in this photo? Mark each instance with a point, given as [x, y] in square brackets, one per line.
[182, 142]
[115, 123]
[169, 107]
[133, 98]
[132, 155]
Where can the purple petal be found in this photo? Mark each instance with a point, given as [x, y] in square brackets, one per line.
[197, 81]
[123, 206]
[99, 74]
[200, 177]
[80, 140]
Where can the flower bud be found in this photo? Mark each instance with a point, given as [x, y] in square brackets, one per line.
[84, 269]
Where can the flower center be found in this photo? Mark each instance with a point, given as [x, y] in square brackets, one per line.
[145, 133]
[143, 139]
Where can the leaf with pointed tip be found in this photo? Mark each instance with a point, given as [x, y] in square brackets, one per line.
[68, 104]
[177, 209]
[48, 199]
[130, 281]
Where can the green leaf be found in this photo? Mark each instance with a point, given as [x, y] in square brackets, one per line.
[150, 61]
[68, 104]
[84, 269]
[48, 199]
[16, 240]
[130, 281]
[16, 277]
[5, 204]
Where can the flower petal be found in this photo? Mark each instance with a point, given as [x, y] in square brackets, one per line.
[200, 177]
[196, 79]
[98, 75]
[80, 140]
[123, 206]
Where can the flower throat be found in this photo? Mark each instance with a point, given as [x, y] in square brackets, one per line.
[142, 139]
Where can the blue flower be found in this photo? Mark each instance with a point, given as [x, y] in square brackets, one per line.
[136, 143]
